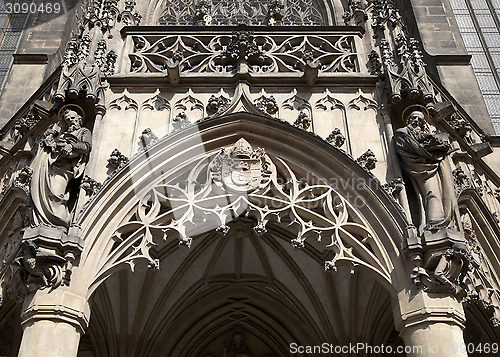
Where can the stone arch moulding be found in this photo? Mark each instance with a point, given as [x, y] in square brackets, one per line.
[184, 171]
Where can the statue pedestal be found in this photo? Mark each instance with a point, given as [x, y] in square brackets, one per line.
[47, 257]
[444, 236]
[50, 237]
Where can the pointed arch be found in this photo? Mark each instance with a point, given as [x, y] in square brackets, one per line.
[301, 151]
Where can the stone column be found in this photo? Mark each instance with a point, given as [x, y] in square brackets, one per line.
[53, 323]
[431, 326]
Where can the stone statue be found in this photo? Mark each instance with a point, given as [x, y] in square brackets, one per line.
[422, 154]
[65, 149]
[236, 347]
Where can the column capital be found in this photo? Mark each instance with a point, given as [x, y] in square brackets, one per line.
[57, 306]
[424, 308]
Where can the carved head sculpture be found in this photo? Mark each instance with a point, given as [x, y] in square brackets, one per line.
[460, 249]
[416, 120]
[71, 117]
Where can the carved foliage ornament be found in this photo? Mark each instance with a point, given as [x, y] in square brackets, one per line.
[336, 138]
[242, 181]
[367, 160]
[267, 105]
[217, 105]
[117, 159]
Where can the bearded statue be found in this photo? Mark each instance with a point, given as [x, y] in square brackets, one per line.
[422, 155]
[65, 149]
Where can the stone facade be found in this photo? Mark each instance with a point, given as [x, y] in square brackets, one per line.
[178, 185]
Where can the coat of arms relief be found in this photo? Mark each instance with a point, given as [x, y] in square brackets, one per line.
[240, 168]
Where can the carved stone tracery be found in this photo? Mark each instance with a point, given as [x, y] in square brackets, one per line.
[242, 181]
[289, 12]
[223, 53]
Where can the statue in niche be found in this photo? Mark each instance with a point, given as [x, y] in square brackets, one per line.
[65, 149]
[236, 347]
[422, 154]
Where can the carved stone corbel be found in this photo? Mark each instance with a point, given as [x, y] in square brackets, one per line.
[172, 66]
[45, 260]
[311, 70]
[442, 270]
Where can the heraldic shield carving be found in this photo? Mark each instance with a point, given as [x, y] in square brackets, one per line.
[241, 168]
